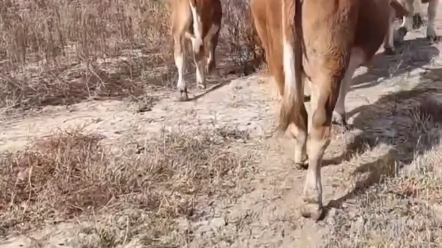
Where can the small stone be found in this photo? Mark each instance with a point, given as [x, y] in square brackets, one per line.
[411, 223]
[352, 214]
[183, 224]
[217, 222]
[437, 212]
[332, 212]
[359, 223]
[122, 221]
[417, 72]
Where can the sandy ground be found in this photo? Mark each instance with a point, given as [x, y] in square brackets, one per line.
[268, 212]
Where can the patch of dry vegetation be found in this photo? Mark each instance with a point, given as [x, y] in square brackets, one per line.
[143, 192]
[403, 211]
[63, 52]
[395, 199]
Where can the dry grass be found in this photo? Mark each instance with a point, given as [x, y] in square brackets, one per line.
[143, 192]
[63, 52]
[403, 211]
[395, 198]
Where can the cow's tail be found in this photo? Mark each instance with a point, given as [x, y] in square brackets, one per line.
[197, 26]
[293, 99]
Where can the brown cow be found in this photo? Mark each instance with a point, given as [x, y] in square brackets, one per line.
[415, 20]
[322, 42]
[200, 22]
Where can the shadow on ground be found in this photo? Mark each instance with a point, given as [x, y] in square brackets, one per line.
[407, 122]
[413, 54]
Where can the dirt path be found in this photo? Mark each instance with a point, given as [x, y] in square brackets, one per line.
[266, 216]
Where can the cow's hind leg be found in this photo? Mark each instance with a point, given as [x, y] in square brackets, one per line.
[314, 95]
[212, 43]
[180, 62]
[432, 10]
[339, 114]
[389, 48]
[407, 21]
[326, 87]
[198, 58]
[293, 90]
[299, 134]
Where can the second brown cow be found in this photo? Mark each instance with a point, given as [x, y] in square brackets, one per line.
[200, 22]
[323, 43]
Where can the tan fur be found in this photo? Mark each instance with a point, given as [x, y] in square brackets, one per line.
[182, 28]
[317, 41]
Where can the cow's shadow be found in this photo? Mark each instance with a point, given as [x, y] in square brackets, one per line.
[407, 122]
[211, 87]
[410, 55]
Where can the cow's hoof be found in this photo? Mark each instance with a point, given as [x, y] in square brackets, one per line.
[313, 211]
[183, 96]
[434, 38]
[213, 72]
[301, 165]
[401, 33]
[389, 51]
[340, 120]
[211, 69]
[202, 86]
